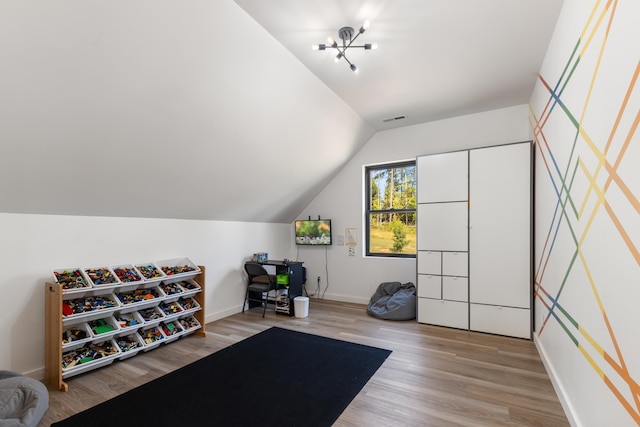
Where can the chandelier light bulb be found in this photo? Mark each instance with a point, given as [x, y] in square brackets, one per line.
[315, 47]
[366, 25]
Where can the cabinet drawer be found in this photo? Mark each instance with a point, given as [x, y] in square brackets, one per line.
[455, 264]
[455, 288]
[443, 313]
[513, 322]
[429, 262]
[429, 286]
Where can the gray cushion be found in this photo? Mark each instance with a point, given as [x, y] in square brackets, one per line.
[394, 301]
[23, 400]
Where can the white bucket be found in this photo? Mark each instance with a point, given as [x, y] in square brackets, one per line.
[301, 306]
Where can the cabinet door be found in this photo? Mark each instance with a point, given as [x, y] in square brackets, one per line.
[443, 313]
[455, 264]
[500, 225]
[513, 322]
[429, 262]
[429, 286]
[455, 288]
[443, 177]
[443, 226]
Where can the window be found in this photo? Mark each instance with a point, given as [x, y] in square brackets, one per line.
[391, 209]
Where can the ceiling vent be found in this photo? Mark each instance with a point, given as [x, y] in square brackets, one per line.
[393, 119]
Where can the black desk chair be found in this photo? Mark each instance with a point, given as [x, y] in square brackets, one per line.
[260, 283]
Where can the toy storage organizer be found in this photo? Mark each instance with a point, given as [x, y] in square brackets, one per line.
[95, 316]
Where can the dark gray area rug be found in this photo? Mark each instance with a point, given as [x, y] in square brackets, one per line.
[277, 377]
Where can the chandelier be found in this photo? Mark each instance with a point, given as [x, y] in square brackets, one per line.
[346, 34]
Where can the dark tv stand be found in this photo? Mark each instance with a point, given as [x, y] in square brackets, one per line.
[296, 280]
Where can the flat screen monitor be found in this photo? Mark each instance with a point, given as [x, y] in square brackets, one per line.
[313, 232]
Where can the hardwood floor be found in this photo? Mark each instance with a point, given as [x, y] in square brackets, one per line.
[434, 377]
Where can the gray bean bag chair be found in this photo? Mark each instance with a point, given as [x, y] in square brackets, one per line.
[394, 301]
[23, 400]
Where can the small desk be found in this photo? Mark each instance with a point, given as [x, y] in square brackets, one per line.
[296, 279]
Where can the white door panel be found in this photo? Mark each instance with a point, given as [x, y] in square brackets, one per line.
[500, 225]
[443, 226]
[443, 177]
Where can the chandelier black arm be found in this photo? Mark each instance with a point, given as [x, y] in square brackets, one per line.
[345, 48]
[347, 59]
[352, 40]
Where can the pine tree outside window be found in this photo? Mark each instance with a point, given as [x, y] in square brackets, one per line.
[391, 210]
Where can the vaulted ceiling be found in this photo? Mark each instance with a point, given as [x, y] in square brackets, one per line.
[220, 110]
[435, 58]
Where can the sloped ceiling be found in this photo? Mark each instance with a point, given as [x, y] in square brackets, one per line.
[195, 110]
[159, 108]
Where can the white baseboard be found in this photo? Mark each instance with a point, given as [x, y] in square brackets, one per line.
[560, 391]
[212, 317]
[344, 298]
[36, 374]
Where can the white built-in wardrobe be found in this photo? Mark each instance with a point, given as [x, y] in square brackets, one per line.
[474, 244]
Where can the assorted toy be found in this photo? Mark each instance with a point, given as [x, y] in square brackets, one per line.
[87, 304]
[149, 271]
[171, 288]
[127, 274]
[71, 279]
[128, 343]
[137, 295]
[151, 335]
[178, 269]
[74, 334]
[101, 276]
[169, 308]
[88, 353]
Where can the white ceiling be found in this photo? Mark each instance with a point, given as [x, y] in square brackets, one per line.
[166, 109]
[436, 58]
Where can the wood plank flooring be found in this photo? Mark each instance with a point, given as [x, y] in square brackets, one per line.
[434, 377]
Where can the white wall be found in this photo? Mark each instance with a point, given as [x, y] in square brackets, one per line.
[355, 279]
[587, 262]
[34, 245]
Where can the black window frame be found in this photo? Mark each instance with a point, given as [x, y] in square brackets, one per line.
[368, 211]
